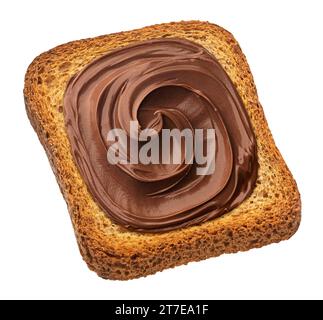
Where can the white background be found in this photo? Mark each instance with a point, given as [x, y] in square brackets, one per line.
[39, 257]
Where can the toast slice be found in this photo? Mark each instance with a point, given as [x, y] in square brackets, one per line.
[270, 214]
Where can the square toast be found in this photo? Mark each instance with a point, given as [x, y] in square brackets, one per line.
[270, 214]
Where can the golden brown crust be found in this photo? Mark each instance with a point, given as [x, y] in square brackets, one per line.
[270, 214]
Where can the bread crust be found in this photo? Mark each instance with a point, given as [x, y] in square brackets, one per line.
[270, 214]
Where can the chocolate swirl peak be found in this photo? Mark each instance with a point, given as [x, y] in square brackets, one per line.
[162, 83]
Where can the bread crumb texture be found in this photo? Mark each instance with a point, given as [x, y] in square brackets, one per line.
[270, 214]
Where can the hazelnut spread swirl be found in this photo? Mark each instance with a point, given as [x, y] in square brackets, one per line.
[162, 83]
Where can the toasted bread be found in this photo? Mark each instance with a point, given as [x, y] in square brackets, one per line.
[270, 214]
